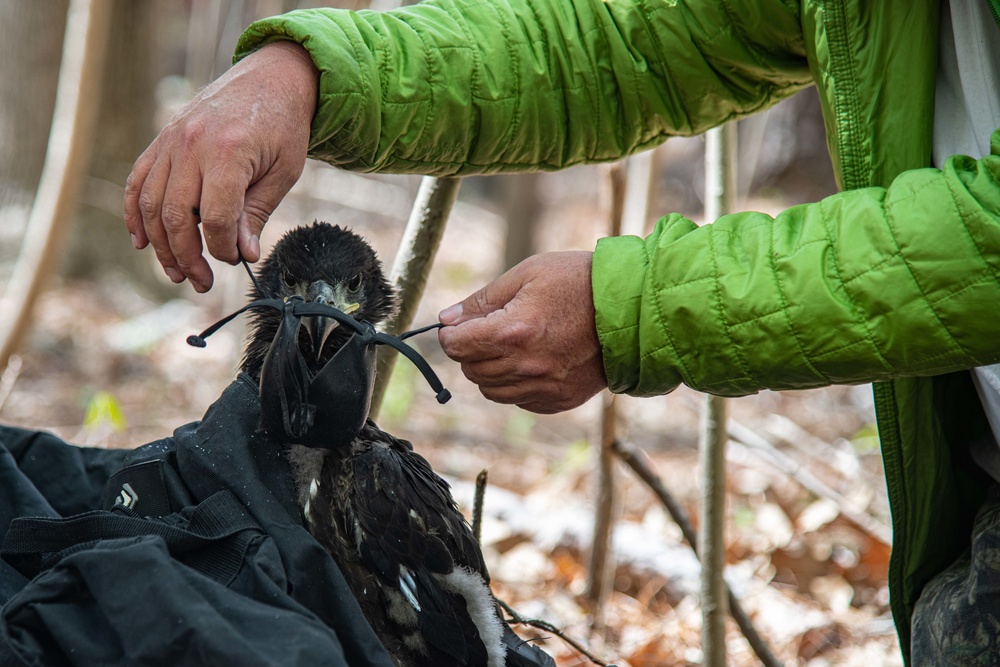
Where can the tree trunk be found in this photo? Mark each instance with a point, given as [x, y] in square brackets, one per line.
[28, 76]
[522, 208]
[67, 153]
[125, 126]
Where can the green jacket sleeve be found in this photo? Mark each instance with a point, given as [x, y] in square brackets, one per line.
[475, 86]
[864, 285]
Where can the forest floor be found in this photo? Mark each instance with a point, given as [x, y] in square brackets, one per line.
[106, 367]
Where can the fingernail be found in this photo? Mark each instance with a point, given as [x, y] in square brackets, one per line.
[174, 275]
[255, 246]
[450, 314]
[135, 242]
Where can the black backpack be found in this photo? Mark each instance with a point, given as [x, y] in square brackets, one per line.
[186, 551]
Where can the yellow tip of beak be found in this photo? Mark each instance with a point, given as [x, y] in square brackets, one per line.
[351, 307]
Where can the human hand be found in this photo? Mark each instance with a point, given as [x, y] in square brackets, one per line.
[529, 337]
[227, 158]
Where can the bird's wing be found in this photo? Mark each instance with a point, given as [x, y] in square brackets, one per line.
[415, 540]
[412, 507]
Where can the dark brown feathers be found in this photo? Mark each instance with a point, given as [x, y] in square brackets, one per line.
[303, 256]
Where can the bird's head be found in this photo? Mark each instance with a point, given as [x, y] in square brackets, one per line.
[321, 263]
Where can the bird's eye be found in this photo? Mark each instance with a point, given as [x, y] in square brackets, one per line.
[355, 283]
[288, 279]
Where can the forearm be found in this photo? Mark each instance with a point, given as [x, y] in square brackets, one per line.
[462, 87]
[865, 285]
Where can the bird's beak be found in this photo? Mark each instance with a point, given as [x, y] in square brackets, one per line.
[320, 328]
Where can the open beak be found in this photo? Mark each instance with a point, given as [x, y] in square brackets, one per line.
[320, 328]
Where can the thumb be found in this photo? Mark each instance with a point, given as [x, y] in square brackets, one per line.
[495, 296]
[248, 236]
[261, 199]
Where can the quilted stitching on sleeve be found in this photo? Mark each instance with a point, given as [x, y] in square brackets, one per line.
[865, 285]
[472, 86]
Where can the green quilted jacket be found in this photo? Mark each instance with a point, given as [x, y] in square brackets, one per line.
[893, 280]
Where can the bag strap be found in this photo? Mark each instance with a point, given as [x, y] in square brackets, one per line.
[212, 538]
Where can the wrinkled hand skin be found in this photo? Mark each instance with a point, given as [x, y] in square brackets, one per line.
[529, 338]
[230, 155]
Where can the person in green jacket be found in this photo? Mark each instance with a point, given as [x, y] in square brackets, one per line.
[891, 281]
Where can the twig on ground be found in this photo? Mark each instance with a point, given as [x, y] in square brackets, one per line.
[634, 458]
[548, 627]
[761, 446]
[477, 504]
[845, 460]
[816, 449]
[477, 524]
[602, 558]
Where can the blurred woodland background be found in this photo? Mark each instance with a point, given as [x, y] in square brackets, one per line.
[104, 362]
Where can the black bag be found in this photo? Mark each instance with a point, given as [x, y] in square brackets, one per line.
[192, 553]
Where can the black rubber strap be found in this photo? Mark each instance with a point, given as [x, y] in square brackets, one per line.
[313, 309]
[396, 342]
[300, 308]
[199, 340]
[414, 332]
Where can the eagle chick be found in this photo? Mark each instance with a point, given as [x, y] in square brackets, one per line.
[387, 519]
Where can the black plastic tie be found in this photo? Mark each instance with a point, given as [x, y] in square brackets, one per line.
[253, 278]
[363, 328]
[414, 332]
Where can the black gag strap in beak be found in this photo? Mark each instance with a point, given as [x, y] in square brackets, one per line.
[326, 409]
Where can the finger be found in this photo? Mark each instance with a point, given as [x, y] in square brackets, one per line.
[248, 241]
[490, 373]
[558, 397]
[490, 298]
[506, 395]
[179, 216]
[511, 371]
[150, 201]
[474, 340]
[543, 408]
[222, 196]
[261, 200]
[542, 397]
[133, 187]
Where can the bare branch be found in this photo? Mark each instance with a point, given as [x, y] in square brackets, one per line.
[636, 460]
[548, 627]
[763, 448]
[602, 557]
[601, 571]
[712, 454]
[720, 197]
[477, 504]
